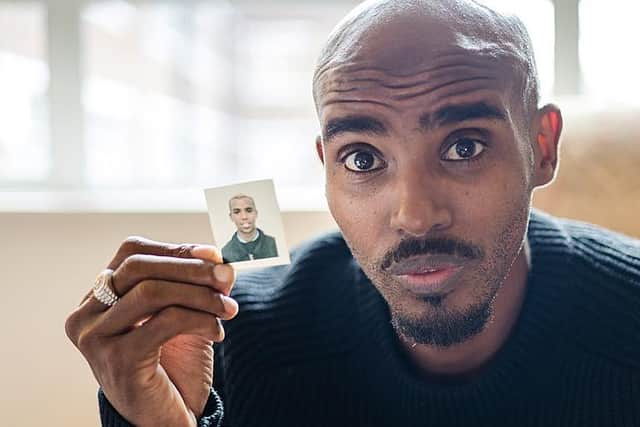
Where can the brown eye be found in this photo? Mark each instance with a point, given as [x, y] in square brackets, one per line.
[464, 149]
[362, 161]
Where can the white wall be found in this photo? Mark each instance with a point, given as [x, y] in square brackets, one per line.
[47, 263]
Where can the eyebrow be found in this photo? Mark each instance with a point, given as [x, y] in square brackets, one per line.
[448, 115]
[354, 123]
[453, 114]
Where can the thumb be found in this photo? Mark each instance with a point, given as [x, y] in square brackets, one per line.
[207, 253]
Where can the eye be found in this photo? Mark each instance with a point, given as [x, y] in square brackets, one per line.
[464, 149]
[363, 161]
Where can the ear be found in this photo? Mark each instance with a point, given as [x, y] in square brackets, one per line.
[319, 149]
[547, 130]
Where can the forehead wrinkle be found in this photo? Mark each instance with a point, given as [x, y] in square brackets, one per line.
[390, 81]
[363, 70]
[445, 89]
[471, 81]
[443, 86]
[359, 101]
[448, 68]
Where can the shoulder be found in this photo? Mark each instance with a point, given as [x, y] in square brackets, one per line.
[590, 248]
[229, 243]
[268, 238]
[297, 308]
[604, 256]
[602, 298]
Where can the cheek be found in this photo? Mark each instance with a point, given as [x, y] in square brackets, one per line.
[496, 212]
[501, 187]
[359, 216]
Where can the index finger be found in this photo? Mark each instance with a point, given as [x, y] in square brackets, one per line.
[140, 245]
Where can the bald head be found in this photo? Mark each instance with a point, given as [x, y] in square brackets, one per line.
[403, 37]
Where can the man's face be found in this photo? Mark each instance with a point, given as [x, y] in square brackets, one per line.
[243, 214]
[428, 176]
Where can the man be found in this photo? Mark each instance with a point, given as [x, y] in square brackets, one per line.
[248, 242]
[444, 301]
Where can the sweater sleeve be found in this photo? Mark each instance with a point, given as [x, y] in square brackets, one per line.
[211, 417]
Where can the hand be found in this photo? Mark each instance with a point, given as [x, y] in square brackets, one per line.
[152, 351]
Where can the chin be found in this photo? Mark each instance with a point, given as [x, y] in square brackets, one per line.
[443, 327]
[442, 320]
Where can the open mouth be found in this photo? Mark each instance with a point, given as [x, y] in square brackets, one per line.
[428, 275]
[430, 281]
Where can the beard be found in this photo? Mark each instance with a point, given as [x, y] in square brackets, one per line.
[442, 326]
[438, 320]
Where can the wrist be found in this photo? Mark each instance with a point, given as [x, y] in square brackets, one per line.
[177, 420]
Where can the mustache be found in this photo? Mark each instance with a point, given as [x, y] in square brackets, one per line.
[410, 247]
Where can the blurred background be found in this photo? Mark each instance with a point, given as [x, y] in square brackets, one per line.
[114, 115]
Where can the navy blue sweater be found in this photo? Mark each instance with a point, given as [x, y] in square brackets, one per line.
[312, 345]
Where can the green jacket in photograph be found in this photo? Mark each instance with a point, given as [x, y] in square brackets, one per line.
[263, 247]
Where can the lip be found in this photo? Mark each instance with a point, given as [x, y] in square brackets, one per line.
[429, 275]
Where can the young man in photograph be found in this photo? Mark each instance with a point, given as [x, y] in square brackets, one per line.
[248, 242]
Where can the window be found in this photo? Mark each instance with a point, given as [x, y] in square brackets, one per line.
[158, 82]
[174, 95]
[24, 77]
[608, 51]
[200, 94]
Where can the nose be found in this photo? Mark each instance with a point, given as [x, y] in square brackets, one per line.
[420, 206]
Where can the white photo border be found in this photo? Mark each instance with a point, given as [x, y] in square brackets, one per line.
[263, 193]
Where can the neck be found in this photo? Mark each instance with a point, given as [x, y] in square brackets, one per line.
[248, 236]
[462, 361]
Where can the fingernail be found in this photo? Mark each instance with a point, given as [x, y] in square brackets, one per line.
[230, 305]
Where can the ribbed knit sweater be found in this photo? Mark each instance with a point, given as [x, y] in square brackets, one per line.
[313, 345]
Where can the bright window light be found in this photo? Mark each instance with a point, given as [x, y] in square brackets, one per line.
[157, 89]
[24, 79]
[538, 17]
[609, 50]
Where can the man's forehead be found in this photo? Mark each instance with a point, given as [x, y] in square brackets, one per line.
[444, 83]
[241, 202]
[404, 43]
[404, 33]
[403, 70]
[398, 68]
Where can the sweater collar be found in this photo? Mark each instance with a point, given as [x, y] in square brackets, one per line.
[241, 240]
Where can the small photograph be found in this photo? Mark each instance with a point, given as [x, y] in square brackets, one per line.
[246, 224]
